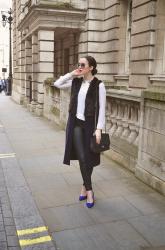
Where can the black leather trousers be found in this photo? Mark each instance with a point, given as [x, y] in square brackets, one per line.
[79, 147]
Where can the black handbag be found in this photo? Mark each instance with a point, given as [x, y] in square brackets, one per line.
[102, 146]
[105, 139]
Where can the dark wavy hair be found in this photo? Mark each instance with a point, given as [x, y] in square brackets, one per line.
[92, 62]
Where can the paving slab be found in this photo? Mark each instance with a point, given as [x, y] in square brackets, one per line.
[147, 203]
[115, 235]
[153, 248]
[152, 227]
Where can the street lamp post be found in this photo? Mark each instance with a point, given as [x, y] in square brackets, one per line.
[8, 19]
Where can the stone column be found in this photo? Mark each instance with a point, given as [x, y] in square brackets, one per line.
[142, 42]
[22, 71]
[159, 62]
[34, 71]
[28, 70]
[18, 92]
[45, 64]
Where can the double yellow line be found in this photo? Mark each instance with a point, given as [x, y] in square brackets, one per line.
[31, 231]
[8, 155]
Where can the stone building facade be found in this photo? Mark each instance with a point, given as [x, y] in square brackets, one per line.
[127, 38]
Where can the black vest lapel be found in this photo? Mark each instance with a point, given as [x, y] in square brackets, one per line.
[76, 85]
[90, 101]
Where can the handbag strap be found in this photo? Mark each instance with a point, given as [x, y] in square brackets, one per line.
[97, 106]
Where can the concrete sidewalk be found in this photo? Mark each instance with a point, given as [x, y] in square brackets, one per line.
[128, 215]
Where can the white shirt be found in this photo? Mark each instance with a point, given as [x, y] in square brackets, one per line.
[66, 82]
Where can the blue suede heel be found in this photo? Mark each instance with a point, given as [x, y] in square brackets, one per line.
[90, 204]
[82, 197]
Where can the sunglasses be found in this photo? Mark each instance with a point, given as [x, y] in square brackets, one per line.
[81, 65]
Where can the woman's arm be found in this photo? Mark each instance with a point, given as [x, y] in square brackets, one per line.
[101, 116]
[102, 103]
[64, 81]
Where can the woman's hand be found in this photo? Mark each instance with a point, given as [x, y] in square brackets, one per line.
[98, 135]
[77, 72]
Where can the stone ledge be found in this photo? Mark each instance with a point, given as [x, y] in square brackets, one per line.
[149, 179]
[121, 77]
[124, 146]
[130, 94]
[154, 95]
[157, 81]
[157, 78]
[124, 160]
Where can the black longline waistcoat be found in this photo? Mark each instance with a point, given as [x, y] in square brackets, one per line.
[92, 159]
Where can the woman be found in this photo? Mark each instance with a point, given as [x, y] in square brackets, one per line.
[85, 90]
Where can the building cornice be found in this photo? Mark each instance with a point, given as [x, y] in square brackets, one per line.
[58, 17]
